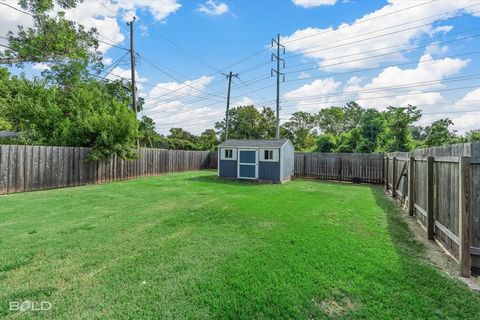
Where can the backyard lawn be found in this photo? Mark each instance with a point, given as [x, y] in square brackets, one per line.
[189, 246]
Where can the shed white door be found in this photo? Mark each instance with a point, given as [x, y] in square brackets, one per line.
[247, 164]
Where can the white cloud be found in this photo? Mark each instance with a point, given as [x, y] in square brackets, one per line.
[316, 88]
[440, 29]
[10, 19]
[119, 72]
[470, 100]
[174, 109]
[245, 101]
[313, 3]
[328, 45]
[469, 120]
[212, 8]
[303, 75]
[93, 14]
[392, 86]
[160, 9]
[41, 66]
[101, 15]
[426, 72]
[169, 90]
[107, 61]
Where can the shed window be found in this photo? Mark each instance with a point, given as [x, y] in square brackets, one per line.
[228, 153]
[268, 154]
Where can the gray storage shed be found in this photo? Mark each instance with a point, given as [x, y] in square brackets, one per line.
[256, 159]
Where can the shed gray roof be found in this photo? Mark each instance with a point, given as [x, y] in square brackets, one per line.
[255, 143]
[8, 134]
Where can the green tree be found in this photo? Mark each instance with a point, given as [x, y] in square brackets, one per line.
[147, 134]
[246, 122]
[332, 120]
[372, 127]
[353, 115]
[52, 38]
[439, 134]
[473, 136]
[208, 140]
[399, 127]
[347, 141]
[85, 115]
[299, 129]
[325, 143]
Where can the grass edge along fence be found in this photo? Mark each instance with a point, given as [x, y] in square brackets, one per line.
[30, 168]
[440, 186]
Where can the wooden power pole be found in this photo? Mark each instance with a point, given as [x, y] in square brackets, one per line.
[229, 77]
[132, 69]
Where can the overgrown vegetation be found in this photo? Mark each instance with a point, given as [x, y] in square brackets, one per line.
[207, 249]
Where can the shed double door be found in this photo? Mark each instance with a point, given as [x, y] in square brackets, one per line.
[247, 164]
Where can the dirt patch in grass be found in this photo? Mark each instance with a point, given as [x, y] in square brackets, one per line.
[336, 307]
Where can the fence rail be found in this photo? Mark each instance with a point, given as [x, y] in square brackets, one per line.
[29, 168]
[441, 188]
[361, 167]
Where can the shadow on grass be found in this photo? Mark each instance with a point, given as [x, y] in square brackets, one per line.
[402, 237]
[216, 180]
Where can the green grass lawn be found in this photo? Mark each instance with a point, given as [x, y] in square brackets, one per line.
[188, 246]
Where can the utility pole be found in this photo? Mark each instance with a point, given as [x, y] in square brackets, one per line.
[229, 77]
[277, 71]
[132, 69]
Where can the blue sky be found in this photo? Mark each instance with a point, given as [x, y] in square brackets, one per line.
[394, 52]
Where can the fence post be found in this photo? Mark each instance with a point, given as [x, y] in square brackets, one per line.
[430, 195]
[394, 177]
[385, 173]
[304, 165]
[411, 185]
[339, 173]
[464, 257]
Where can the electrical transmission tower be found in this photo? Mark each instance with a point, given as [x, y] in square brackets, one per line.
[278, 73]
[229, 77]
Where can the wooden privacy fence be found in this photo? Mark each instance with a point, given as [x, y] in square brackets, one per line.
[441, 188]
[361, 167]
[29, 168]
[365, 167]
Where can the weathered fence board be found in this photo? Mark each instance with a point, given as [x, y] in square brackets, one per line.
[29, 168]
[444, 183]
[361, 167]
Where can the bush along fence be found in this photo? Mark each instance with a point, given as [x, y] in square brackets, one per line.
[441, 187]
[29, 168]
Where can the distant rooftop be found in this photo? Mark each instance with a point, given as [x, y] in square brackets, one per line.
[256, 143]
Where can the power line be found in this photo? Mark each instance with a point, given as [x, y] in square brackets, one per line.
[357, 23]
[392, 52]
[409, 85]
[16, 9]
[379, 97]
[366, 39]
[357, 71]
[173, 77]
[114, 65]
